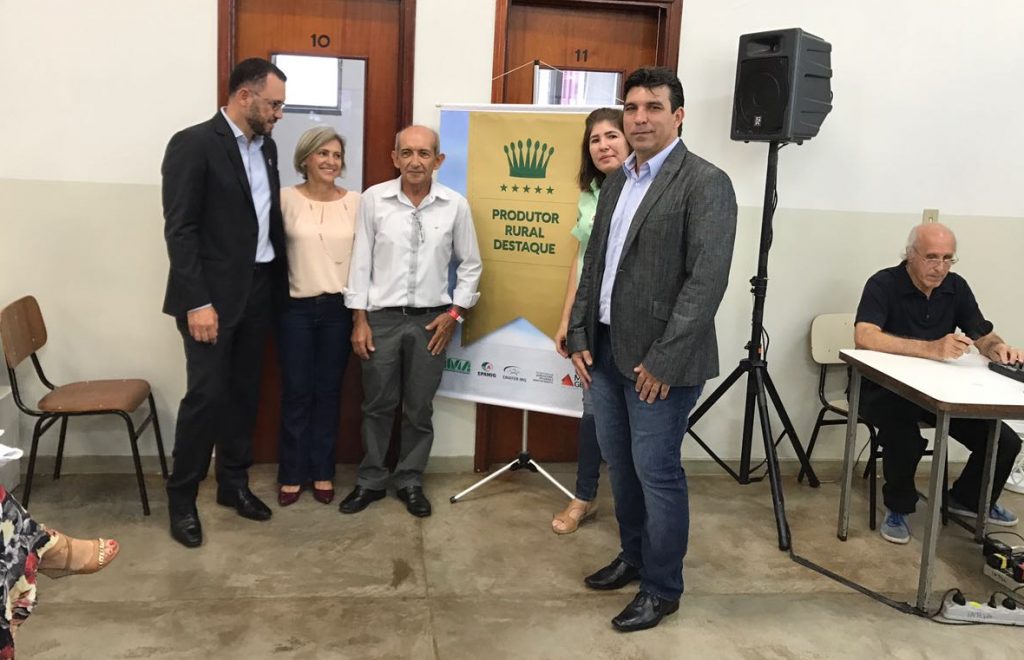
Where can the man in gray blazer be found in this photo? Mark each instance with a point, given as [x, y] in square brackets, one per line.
[642, 334]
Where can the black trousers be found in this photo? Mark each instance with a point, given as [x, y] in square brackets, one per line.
[899, 434]
[222, 393]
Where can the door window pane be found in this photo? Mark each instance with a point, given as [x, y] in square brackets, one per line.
[571, 87]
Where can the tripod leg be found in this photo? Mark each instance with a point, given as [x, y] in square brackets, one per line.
[547, 476]
[812, 479]
[455, 498]
[773, 463]
[717, 394]
[742, 368]
[814, 439]
[748, 426]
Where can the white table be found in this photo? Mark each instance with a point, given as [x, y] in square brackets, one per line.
[954, 388]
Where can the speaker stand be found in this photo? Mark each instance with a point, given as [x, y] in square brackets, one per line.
[760, 387]
[520, 462]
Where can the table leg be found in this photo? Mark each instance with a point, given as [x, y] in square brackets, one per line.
[986, 481]
[848, 454]
[932, 524]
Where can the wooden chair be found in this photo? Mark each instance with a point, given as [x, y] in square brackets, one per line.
[23, 334]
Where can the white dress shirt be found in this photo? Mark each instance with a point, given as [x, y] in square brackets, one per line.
[402, 253]
[259, 185]
[633, 192]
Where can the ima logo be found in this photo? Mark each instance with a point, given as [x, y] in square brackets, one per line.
[529, 162]
[456, 365]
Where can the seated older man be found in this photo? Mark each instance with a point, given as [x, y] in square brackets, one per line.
[915, 308]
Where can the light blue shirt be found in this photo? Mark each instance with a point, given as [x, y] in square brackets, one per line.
[633, 191]
[259, 184]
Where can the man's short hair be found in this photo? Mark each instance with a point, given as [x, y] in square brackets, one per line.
[252, 72]
[650, 77]
[437, 138]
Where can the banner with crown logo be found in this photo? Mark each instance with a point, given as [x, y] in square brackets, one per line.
[521, 186]
[517, 165]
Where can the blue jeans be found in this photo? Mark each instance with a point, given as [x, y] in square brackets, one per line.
[588, 460]
[641, 443]
[314, 346]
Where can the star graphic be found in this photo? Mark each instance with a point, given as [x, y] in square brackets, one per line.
[537, 190]
[551, 191]
[515, 188]
[504, 187]
[526, 189]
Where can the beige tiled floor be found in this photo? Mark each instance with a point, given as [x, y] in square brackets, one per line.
[484, 578]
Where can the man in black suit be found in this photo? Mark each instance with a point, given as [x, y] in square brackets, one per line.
[642, 334]
[225, 240]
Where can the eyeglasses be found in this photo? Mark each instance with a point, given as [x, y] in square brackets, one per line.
[945, 262]
[276, 106]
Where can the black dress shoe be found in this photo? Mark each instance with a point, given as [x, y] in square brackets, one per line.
[359, 499]
[244, 502]
[416, 502]
[646, 611]
[186, 529]
[615, 575]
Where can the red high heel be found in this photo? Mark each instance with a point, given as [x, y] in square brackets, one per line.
[323, 495]
[285, 498]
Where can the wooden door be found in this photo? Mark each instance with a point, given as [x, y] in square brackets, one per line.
[592, 35]
[377, 31]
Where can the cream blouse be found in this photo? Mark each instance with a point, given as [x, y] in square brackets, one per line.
[318, 237]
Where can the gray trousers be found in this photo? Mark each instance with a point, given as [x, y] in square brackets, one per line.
[401, 366]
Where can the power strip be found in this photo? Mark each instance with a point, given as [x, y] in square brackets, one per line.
[1002, 578]
[974, 612]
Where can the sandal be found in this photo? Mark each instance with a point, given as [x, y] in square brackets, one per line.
[105, 552]
[577, 513]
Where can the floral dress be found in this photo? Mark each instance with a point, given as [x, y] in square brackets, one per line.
[24, 543]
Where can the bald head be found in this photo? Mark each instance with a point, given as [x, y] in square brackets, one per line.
[930, 253]
[931, 233]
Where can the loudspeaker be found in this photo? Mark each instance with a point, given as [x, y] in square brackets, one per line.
[782, 86]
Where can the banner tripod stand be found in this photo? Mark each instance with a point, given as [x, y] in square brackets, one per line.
[522, 461]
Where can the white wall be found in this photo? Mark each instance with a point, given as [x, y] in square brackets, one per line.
[96, 88]
[925, 99]
[926, 96]
[91, 94]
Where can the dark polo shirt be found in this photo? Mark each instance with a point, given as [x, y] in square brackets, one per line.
[892, 302]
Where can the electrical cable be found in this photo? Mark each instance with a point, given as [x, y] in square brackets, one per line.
[905, 608]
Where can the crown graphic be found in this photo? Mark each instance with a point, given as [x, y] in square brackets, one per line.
[530, 162]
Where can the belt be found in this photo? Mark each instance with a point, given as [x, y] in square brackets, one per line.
[415, 311]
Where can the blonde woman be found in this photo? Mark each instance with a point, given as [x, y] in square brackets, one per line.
[319, 225]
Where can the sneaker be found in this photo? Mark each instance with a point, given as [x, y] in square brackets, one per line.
[895, 528]
[997, 515]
